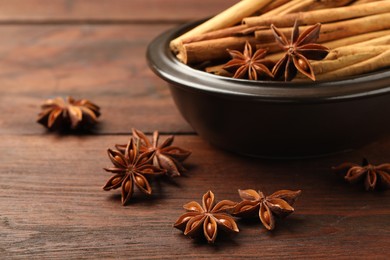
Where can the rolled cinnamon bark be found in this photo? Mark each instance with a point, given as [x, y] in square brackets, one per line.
[304, 5]
[229, 17]
[375, 63]
[238, 30]
[358, 2]
[378, 37]
[337, 30]
[346, 56]
[209, 50]
[377, 41]
[320, 16]
[273, 5]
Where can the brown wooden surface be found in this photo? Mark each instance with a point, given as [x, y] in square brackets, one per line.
[51, 201]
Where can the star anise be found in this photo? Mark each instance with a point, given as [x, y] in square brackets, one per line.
[164, 156]
[207, 219]
[70, 113]
[247, 64]
[130, 168]
[299, 51]
[266, 207]
[373, 176]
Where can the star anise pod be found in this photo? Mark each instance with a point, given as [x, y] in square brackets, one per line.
[299, 51]
[266, 207]
[207, 219]
[164, 156]
[247, 64]
[130, 168]
[372, 175]
[70, 113]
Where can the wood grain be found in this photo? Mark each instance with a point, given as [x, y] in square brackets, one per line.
[112, 11]
[53, 205]
[105, 64]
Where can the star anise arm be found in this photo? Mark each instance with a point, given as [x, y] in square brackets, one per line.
[208, 201]
[167, 142]
[370, 180]
[266, 217]
[247, 209]
[303, 66]
[290, 71]
[182, 221]
[194, 207]
[115, 170]
[117, 158]
[194, 226]
[309, 35]
[287, 195]
[236, 55]
[224, 206]
[75, 115]
[384, 167]
[149, 169]
[355, 173]
[142, 183]
[89, 115]
[279, 207]
[233, 64]
[114, 182]
[127, 188]
[241, 72]
[54, 118]
[280, 66]
[344, 167]
[226, 222]
[313, 51]
[145, 143]
[175, 152]
[169, 164]
[249, 194]
[210, 229]
[295, 32]
[280, 38]
[262, 69]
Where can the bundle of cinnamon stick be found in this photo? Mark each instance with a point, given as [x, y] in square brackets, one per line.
[357, 32]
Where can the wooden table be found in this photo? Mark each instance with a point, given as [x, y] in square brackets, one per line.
[51, 200]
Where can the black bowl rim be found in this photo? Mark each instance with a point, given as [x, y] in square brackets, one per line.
[163, 62]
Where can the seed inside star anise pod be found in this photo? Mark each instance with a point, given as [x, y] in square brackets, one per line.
[130, 168]
[208, 219]
[256, 204]
[60, 114]
[373, 176]
[165, 155]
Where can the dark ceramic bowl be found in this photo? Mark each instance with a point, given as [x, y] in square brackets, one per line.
[275, 119]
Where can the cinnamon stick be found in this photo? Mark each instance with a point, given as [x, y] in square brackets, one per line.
[273, 5]
[304, 5]
[229, 17]
[209, 50]
[376, 41]
[358, 2]
[346, 56]
[375, 63]
[361, 38]
[320, 16]
[338, 30]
